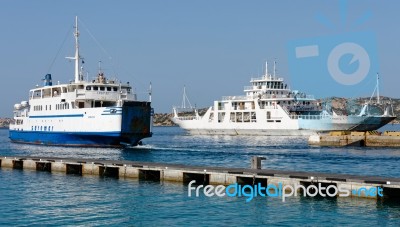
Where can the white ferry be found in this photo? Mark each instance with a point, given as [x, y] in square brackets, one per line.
[101, 112]
[270, 107]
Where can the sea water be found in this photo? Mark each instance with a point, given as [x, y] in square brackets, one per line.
[40, 198]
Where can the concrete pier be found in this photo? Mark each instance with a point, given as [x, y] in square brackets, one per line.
[204, 175]
[360, 139]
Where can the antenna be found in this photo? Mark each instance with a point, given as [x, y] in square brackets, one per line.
[99, 67]
[266, 68]
[274, 68]
[150, 91]
[184, 98]
[76, 34]
[377, 89]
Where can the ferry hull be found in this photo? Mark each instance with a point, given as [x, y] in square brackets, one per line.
[251, 132]
[346, 123]
[300, 128]
[135, 124]
[84, 139]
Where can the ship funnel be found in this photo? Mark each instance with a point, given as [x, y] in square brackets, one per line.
[47, 80]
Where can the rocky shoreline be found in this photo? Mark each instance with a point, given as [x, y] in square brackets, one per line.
[163, 119]
[5, 122]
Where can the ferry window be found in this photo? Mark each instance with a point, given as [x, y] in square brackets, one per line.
[108, 88]
[49, 107]
[268, 115]
[101, 88]
[95, 88]
[45, 128]
[46, 107]
[41, 128]
[88, 88]
[129, 90]
[115, 89]
[32, 128]
[35, 128]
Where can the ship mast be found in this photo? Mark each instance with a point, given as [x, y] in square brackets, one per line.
[377, 88]
[76, 58]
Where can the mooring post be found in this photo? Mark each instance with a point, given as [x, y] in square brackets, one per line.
[256, 162]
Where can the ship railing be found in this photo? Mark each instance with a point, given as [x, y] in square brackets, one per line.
[251, 87]
[275, 96]
[310, 117]
[186, 118]
[305, 108]
[305, 97]
[235, 98]
[266, 78]
[268, 107]
[285, 96]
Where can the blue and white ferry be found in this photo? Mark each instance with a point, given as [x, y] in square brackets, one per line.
[97, 113]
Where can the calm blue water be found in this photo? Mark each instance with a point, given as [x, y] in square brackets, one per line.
[36, 198]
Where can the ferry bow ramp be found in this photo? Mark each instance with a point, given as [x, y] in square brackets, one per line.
[136, 122]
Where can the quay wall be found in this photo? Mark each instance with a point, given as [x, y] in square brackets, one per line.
[202, 175]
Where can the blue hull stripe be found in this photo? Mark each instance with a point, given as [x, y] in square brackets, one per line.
[111, 139]
[54, 116]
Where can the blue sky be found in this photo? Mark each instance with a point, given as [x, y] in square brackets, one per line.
[212, 47]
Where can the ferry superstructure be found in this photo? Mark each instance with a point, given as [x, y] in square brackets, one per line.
[270, 107]
[100, 113]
